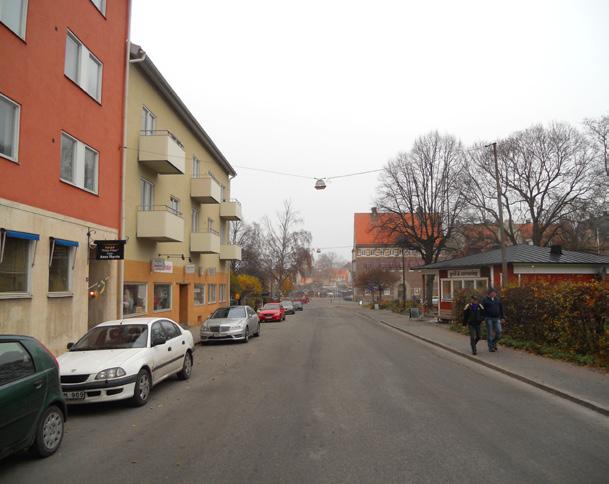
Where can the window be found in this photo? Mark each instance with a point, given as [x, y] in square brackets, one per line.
[447, 293]
[450, 287]
[387, 252]
[9, 128]
[78, 163]
[162, 297]
[222, 293]
[367, 251]
[196, 167]
[171, 330]
[13, 14]
[83, 67]
[148, 121]
[134, 299]
[211, 293]
[222, 193]
[210, 225]
[199, 294]
[16, 254]
[146, 194]
[15, 362]
[174, 204]
[157, 331]
[61, 263]
[195, 219]
[100, 5]
[378, 252]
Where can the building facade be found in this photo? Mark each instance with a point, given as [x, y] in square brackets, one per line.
[374, 249]
[62, 100]
[177, 205]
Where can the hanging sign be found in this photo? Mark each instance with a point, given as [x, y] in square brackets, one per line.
[110, 249]
[162, 265]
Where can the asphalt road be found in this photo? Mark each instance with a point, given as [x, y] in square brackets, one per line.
[329, 396]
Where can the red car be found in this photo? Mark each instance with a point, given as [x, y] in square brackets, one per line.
[271, 312]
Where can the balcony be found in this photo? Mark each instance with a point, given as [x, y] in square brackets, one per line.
[230, 252]
[162, 152]
[230, 210]
[160, 223]
[205, 242]
[204, 189]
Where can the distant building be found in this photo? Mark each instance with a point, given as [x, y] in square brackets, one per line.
[374, 249]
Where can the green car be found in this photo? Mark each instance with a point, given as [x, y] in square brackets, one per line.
[33, 409]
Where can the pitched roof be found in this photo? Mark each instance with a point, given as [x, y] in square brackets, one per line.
[526, 254]
[366, 231]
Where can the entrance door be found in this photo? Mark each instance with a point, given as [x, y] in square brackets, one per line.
[183, 315]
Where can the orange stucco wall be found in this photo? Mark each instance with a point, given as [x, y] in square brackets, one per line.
[139, 272]
[33, 76]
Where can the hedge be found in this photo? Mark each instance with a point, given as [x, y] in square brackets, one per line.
[570, 317]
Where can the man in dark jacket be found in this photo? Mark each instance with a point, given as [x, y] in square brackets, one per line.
[493, 313]
[472, 317]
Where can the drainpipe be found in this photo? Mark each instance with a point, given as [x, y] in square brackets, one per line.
[121, 263]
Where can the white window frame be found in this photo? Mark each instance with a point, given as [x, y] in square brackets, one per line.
[71, 262]
[196, 167]
[15, 155]
[175, 204]
[164, 310]
[23, 26]
[222, 291]
[210, 293]
[450, 297]
[194, 220]
[78, 164]
[202, 285]
[101, 7]
[82, 67]
[146, 115]
[145, 285]
[30, 264]
[144, 206]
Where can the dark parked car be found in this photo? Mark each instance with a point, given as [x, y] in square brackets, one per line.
[297, 305]
[33, 408]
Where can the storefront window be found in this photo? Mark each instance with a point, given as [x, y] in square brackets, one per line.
[211, 293]
[134, 299]
[162, 297]
[199, 294]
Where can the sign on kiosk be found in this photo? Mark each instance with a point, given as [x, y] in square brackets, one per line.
[464, 273]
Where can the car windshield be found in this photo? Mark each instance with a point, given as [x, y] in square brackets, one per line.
[229, 313]
[271, 306]
[120, 336]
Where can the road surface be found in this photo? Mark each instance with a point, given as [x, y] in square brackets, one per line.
[329, 396]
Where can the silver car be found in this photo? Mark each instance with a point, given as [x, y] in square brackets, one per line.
[235, 323]
[288, 306]
[297, 305]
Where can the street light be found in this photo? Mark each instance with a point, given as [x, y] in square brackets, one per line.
[320, 184]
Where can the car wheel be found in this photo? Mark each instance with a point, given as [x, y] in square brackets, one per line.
[246, 338]
[49, 432]
[186, 371]
[143, 386]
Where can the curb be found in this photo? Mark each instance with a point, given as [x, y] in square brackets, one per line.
[541, 386]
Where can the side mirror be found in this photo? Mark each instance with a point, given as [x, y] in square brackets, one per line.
[69, 346]
[158, 340]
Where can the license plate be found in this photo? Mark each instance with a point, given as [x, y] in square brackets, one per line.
[74, 395]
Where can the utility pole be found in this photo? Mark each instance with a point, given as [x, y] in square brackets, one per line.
[504, 270]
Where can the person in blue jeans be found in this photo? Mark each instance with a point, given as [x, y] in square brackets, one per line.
[493, 314]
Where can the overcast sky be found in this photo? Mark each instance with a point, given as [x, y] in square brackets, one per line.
[323, 88]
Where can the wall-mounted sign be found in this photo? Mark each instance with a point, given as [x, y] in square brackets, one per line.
[110, 249]
[201, 271]
[161, 265]
[189, 269]
[465, 273]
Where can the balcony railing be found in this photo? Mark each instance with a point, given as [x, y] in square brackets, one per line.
[231, 210]
[162, 151]
[207, 242]
[230, 252]
[205, 189]
[160, 223]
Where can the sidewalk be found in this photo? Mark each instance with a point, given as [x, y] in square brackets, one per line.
[582, 385]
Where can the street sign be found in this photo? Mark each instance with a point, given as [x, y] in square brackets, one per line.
[110, 249]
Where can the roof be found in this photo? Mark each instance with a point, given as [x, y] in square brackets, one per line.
[159, 82]
[366, 231]
[525, 254]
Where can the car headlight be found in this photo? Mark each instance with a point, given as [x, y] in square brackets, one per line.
[110, 373]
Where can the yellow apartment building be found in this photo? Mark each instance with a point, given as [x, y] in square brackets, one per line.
[177, 206]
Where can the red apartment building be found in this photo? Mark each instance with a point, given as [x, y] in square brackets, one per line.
[62, 105]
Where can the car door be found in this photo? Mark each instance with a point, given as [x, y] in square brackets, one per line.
[252, 320]
[161, 353]
[177, 345]
[22, 393]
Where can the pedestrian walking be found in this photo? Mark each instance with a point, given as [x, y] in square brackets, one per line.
[473, 315]
[493, 313]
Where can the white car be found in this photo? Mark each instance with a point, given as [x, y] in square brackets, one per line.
[124, 359]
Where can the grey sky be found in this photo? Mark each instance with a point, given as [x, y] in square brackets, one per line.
[323, 88]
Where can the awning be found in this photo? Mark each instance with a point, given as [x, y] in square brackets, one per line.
[65, 243]
[14, 234]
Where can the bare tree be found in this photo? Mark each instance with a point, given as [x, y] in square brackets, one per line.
[287, 249]
[421, 192]
[375, 279]
[545, 174]
[597, 131]
[251, 240]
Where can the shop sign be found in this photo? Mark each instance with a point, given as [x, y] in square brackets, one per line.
[110, 249]
[465, 273]
[162, 265]
[189, 269]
